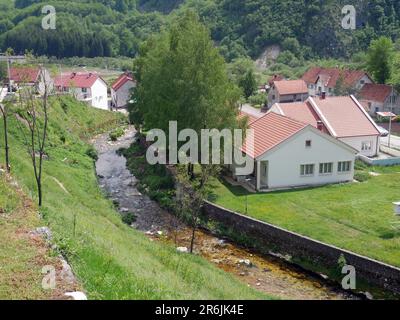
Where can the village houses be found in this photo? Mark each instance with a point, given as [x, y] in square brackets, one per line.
[380, 98]
[88, 87]
[325, 80]
[121, 90]
[35, 77]
[287, 91]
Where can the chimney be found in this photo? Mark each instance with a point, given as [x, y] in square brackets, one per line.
[73, 75]
[320, 125]
[323, 95]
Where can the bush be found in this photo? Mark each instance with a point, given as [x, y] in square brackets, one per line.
[128, 218]
[362, 176]
[92, 152]
[259, 99]
[117, 133]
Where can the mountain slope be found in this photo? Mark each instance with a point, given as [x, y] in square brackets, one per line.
[240, 28]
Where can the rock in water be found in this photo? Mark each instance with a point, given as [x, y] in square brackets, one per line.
[76, 295]
[182, 249]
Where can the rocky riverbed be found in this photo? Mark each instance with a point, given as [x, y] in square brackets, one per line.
[265, 273]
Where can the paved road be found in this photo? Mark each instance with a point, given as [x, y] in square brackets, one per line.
[395, 141]
[252, 111]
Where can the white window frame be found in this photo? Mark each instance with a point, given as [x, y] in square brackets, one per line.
[344, 166]
[326, 168]
[304, 170]
[366, 146]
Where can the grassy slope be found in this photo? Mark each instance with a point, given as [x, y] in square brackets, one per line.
[111, 260]
[358, 217]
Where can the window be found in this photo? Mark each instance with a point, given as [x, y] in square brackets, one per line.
[307, 170]
[326, 168]
[311, 86]
[344, 166]
[366, 146]
[273, 97]
[362, 82]
[308, 144]
[84, 90]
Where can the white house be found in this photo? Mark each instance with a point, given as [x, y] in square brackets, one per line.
[321, 80]
[288, 153]
[380, 98]
[35, 77]
[121, 90]
[88, 87]
[287, 91]
[343, 118]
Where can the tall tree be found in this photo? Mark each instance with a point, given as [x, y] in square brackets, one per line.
[380, 58]
[35, 115]
[248, 83]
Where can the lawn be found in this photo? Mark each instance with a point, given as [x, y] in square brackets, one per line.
[111, 260]
[357, 216]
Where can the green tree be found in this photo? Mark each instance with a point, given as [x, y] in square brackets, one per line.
[380, 58]
[248, 83]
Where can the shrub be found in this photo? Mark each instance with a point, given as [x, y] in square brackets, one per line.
[258, 99]
[117, 133]
[128, 218]
[362, 176]
[92, 152]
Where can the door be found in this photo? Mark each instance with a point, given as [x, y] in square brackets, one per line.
[264, 173]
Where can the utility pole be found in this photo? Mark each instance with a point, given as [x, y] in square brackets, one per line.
[9, 75]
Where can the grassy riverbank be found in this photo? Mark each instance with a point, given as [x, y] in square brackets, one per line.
[111, 260]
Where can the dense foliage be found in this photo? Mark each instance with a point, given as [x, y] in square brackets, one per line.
[303, 28]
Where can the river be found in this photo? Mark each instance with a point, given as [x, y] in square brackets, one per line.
[265, 273]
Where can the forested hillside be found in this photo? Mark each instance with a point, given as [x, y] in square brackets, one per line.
[307, 28]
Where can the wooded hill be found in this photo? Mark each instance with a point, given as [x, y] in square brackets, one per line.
[240, 27]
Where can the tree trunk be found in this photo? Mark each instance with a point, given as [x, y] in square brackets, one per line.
[8, 167]
[193, 238]
[39, 186]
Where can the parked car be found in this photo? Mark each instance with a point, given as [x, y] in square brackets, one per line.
[383, 131]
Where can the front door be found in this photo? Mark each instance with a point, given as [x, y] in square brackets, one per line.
[264, 173]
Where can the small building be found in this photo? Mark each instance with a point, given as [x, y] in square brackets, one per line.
[121, 90]
[87, 87]
[288, 153]
[343, 118]
[325, 80]
[380, 98]
[35, 77]
[287, 91]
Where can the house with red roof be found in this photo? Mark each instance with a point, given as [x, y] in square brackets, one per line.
[379, 98]
[35, 77]
[88, 87]
[287, 91]
[325, 80]
[121, 90]
[343, 118]
[288, 153]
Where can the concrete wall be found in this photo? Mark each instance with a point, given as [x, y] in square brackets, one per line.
[99, 95]
[289, 243]
[122, 96]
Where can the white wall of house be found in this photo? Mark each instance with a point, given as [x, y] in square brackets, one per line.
[99, 95]
[366, 145]
[44, 80]
[121, 97]
[364, 80]
[284, 162]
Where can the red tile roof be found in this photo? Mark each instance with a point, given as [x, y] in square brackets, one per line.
[76, 80]
[270, 131]
[375, 92]
[302, 111]
[124, 78]
[330, 76]
[345, 116]
[28, 75]
[291, 87]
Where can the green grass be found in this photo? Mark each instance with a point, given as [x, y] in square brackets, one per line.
[358, 216]
[111, 260]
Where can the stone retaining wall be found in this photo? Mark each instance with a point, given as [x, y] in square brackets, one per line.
[289, 243]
